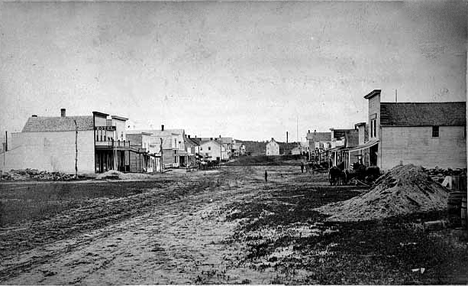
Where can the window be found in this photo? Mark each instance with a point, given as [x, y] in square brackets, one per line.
[375, 128]
[209, 148]
[435, 131]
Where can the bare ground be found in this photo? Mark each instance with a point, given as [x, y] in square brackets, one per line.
[222, 227]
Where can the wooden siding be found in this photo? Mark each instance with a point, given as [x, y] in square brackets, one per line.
[50, 151]
[416, 145]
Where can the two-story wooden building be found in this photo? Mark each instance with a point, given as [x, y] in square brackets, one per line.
[86, 144]
[213, 150]
[429, 134]
[272, 148]
[145, 155]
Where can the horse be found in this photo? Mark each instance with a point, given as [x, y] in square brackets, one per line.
[337, 175]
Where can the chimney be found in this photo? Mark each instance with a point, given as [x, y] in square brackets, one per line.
[162, 127]
[63, 112]
[286, 136]
[219, 136]
[308, 131]
[34, 115]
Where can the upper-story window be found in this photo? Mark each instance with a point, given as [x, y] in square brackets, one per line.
[373, 125]
[435, 131]
[375, 128]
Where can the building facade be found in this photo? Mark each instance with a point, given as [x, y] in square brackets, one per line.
[272, 148]
[174, 154]
[421, 133]
[213, 150]
[145, 154]
[83, 144]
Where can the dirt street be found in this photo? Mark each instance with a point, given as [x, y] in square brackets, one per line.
[176, 240]
[223, 226]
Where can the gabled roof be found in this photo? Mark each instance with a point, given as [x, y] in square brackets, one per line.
[54, 124]
[197, 140]
[190, 141]
[208, 141]
[423, 114]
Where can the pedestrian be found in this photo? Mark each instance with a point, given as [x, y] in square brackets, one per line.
[302, 167]
[266, 176]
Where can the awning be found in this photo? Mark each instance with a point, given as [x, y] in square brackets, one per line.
[364, 146]
[336, 149]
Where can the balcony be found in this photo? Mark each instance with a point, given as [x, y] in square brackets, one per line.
[113, 144]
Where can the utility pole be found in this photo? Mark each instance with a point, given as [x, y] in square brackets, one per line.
[161, 152]
[76, 149]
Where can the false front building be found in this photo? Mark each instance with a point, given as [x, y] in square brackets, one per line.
[429, 134]
[86, 144]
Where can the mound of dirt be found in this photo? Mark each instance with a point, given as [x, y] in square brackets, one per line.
[34, 174]
[110, 175]
[403, 190]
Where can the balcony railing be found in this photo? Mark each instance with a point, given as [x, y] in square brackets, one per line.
[114, 143]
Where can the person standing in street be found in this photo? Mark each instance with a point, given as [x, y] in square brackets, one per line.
[266, 176]
[302, 166]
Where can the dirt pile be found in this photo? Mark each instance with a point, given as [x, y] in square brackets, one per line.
[116, 175]
[110, 175]
[403, 190]
[34, 174]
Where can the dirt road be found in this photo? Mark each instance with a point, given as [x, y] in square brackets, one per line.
[167, 236]
[224, 226]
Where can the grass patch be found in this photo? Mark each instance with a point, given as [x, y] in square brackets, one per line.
[370, 252]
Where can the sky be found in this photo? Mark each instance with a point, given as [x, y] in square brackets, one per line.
[248, 70]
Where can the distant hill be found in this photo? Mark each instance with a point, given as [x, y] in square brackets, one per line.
[255, 148]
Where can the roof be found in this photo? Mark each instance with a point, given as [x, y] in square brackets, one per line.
[119, 118]
[364, 146]
[208, 141]
[191, 141]
[136, 132]
[423, 114]
[272, 141]
[196, 140]
[100, 113]
[372, 94]
[54, 124]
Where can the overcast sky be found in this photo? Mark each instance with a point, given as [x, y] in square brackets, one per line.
[249, 70]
